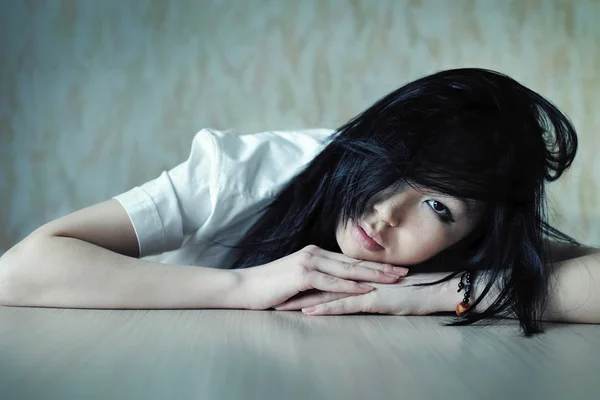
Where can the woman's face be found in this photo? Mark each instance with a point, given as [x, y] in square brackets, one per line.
[408, 227]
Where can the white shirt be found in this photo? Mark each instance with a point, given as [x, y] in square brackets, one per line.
[217, 194]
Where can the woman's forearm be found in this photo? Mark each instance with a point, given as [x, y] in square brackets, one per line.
[50, 271]
[575, 290]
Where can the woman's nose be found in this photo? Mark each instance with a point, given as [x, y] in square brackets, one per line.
[389, 211]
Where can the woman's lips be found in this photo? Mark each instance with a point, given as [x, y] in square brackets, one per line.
[365, 240]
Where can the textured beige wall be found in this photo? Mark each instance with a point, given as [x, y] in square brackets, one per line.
[98, 96]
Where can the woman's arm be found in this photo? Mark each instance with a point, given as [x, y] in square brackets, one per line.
[574, 292]
[87, 260]
[575, 289]
[574, 284]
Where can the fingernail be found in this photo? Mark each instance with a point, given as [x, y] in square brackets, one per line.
[309, 309]
[400, 271]
[390, 275]
[365, 287]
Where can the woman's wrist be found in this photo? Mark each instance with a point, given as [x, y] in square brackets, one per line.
[218, 289]
[234, 295]
[449, 296]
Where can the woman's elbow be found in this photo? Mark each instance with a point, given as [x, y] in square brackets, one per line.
[15, 269]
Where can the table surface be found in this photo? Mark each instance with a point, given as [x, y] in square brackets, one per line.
[228, 354]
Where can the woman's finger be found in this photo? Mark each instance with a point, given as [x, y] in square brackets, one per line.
[348, 305]
[310, 300]
[384, 267]
[328, 283]
[356, 271]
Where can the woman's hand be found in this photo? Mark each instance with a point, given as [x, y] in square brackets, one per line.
[399, 298]
[268, 285]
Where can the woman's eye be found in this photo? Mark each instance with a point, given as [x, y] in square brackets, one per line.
[441, 210]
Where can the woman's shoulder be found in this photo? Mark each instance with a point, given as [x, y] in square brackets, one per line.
[227, 177]
[259, 163]
[237, 144]
[557, 252]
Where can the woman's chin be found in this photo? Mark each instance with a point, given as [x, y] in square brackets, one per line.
[351, 252]
[358, 255]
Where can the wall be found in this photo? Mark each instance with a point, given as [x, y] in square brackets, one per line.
[98, 96]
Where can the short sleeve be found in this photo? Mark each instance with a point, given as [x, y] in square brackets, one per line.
[178, 202]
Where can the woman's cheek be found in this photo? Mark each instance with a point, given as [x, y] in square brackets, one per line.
[422, 244]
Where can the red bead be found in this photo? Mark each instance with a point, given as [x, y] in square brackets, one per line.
[461, 308]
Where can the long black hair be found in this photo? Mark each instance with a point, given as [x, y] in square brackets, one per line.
[469, 133]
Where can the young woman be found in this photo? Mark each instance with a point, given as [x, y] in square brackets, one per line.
[444, 176]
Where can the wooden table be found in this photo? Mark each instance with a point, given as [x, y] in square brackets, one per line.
[213, 354]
